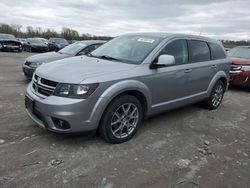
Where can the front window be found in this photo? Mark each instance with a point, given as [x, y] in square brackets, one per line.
[178, 49]
[59, 41]
[6, 36]
[128, 49]
[240, 52]
[73, 49]
[34, 41]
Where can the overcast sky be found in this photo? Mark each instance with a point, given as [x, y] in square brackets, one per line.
[223, 19]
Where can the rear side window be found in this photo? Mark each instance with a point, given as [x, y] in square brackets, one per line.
[199, 51]
[216, 51]
[178, 49]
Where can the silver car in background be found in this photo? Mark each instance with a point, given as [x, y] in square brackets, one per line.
[75, 49]
[126, 80]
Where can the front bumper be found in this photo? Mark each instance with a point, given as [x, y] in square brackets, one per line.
[241, 78]
[28, 71]
[78, 113]
[11, 48]
[39, 49]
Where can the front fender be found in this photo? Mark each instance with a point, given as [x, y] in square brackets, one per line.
[113, 91]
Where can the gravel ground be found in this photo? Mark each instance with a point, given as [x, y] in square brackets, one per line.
[187, 147]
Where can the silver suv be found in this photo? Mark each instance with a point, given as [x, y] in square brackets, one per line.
[125, 80]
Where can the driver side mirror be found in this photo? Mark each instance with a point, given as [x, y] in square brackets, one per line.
[166, 60]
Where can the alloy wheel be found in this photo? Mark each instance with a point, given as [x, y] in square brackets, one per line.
[217, 95]
[124, 120]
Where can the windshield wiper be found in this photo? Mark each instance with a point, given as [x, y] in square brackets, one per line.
[108, 57]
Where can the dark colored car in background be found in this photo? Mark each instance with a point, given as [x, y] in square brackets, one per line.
[22, 40]
[56, 44]
[72, 41]
[35, 45]
[240, 66]
[78, 48]
[10, 43]
[45, 41]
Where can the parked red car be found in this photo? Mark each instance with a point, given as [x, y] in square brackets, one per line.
[240, 66]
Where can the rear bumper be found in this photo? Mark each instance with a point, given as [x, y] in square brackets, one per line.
[50, 111]
[241, 78]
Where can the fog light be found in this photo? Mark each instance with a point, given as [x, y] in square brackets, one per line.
[60, 124]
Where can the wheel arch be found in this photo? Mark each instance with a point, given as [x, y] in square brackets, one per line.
[130, 87]
[221, 75]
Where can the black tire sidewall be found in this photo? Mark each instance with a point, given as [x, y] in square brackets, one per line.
[108, 114]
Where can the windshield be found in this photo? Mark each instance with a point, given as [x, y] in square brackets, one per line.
[43, 40]
[59, 41]
[128, 49]
[73, 49]
[35, 41]
[240, 52]
[5, 36]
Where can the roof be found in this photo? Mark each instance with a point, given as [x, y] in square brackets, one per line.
[173, 35]
[92, 41]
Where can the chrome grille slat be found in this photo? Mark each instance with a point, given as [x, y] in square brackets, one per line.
[40, 88]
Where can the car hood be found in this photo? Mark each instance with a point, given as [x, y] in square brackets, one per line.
[240, 61]
[47, 57]
[76, 69]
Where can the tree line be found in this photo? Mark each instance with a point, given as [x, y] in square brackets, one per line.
[231, 43]
[71, 34]
[29, 32]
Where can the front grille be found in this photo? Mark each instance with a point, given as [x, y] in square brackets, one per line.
[43, 86]
[49, 82]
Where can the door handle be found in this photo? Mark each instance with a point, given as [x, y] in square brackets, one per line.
[188, 70]
[213, 66]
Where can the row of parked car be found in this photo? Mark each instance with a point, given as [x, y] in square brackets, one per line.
[112, 86]
[11, 43]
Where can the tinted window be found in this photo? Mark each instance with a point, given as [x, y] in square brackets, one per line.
[6, 36]
[216, 51]
[199, 51]
[178, 49]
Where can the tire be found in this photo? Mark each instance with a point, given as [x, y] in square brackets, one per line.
[216, 96]
[126, 114]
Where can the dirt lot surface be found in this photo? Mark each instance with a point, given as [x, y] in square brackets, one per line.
[188, 147]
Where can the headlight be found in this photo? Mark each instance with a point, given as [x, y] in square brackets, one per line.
[35, 64]
[75, 90]
[245, 68]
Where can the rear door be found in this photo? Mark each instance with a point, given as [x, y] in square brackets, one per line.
[202, 69]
